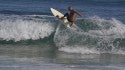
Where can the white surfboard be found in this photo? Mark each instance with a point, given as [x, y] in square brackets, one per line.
[59, 15]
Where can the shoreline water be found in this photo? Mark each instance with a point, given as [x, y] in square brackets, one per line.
[37, 57]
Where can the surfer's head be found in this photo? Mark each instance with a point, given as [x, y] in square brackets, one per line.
[69, 8]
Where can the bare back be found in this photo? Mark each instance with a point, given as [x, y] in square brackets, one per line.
[72, 16]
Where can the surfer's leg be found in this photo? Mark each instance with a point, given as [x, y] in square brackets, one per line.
[66, 15]
[71, 23]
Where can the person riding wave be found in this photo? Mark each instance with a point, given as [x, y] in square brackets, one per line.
[71, 17]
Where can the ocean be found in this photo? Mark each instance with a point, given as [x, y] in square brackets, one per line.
[31, 38]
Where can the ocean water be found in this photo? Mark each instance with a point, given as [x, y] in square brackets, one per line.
[31, 38]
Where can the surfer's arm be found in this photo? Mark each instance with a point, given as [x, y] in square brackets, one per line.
[78, 13]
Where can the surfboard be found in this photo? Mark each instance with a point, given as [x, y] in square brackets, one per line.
[58, 14]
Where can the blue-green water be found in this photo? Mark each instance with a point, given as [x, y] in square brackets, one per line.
[32, 39]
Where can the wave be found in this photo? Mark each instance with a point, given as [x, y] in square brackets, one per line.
[15, 27]
[94, 35]
[12, 12]
[89, 35]
[42, 41]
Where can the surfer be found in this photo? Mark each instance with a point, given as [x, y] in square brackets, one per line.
[71, 17]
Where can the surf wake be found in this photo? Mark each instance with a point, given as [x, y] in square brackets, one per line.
[96, 35]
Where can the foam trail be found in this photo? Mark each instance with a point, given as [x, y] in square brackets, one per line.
[78, 49]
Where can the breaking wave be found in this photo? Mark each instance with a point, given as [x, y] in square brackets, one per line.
[19, 28]
[93, 35]
[89, 35]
